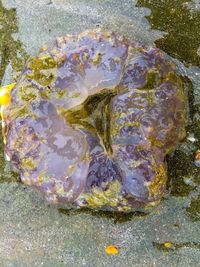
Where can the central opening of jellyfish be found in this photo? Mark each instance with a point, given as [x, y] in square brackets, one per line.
[94, 115]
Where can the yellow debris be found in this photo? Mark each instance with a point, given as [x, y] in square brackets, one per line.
[111, 250]
[5, 94]
[168, 244]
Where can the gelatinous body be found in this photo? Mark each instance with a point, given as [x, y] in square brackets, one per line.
[91, 120]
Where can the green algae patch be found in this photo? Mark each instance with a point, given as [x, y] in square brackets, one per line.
[19, 112]
[156, 186]
[116, 217]
[42, 70]
[151, 80]
[97, 59]
[28, 163]
[175, 246]
[99, 198]
[181, 25]
[11, 50]
[194, 209]
[6, 173]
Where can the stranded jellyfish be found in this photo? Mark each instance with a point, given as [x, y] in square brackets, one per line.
[91, 120]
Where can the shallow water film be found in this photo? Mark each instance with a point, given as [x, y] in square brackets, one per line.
[32, 233]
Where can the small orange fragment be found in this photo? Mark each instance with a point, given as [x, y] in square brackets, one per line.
[197, 155]
[111, 250]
